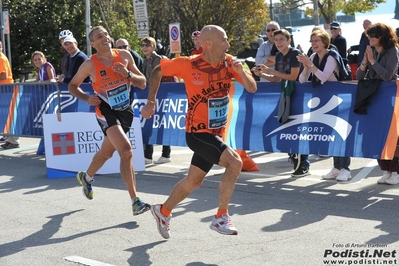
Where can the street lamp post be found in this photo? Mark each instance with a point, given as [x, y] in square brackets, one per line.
[87, 27]
[316, 12]
[271, 10]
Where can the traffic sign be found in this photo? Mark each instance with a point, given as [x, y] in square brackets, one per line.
[140, 10]
[174, 38]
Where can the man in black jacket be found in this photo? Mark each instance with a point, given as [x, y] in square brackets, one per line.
[75, 57]
[338, 40]
[138, 60]
[364, 41]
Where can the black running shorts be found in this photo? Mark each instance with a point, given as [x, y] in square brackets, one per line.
[207, 149]
[123, 118]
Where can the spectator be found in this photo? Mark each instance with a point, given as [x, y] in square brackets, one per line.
[138, 60]
[364, 41]
[11, 142]
[65, 59]
[338, 40]
[322, 66]
[112, 72]
[286, 71]
[45, 70]
[197, 45]
[330, 47]
[75, 58]
[380, 62]
[151, 60]
[266, 53]
[215, 70]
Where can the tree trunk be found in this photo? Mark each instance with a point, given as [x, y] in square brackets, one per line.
[396, 10]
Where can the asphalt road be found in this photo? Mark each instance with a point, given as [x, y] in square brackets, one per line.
[281, 220]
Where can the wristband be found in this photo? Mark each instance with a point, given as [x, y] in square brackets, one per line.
[150, 101]
[363, 64]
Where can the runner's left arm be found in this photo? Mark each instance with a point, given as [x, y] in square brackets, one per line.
[248, 81]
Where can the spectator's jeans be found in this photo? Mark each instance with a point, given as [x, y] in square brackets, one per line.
[342, 162]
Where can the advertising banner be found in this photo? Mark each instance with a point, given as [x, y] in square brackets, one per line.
[71, 144]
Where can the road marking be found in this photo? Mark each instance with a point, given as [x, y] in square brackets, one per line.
[86, 261]
[364, 172]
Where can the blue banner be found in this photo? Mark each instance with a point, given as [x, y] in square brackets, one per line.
[321, 119]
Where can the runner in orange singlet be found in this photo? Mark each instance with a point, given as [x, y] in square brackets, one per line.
[207, 78]
[112, 73]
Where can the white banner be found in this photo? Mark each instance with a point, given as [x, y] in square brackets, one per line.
[71, 144]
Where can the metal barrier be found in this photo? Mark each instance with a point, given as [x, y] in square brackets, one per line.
[22, 106]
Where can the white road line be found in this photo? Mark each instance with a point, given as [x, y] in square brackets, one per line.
[365, 171]
[85, 261]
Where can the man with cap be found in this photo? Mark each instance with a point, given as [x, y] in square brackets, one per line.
[75, 59]
[64, 60]
[337, 39]
[197, 45]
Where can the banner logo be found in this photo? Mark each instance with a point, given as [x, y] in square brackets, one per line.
[63, 143]
[51, 103]
[342, 127]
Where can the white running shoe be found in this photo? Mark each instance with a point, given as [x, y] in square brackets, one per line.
[223, 225]
[162, 160]
[344, 175]
[393, 180]
[386, 175]
[163, 223]
[148, 161]
[332, 174]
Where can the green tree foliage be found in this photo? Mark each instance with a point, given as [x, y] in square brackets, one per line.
[242, 20]
[118, 18]
[329, 8]
[35, 25]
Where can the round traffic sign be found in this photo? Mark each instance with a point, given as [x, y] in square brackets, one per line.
[174, 33]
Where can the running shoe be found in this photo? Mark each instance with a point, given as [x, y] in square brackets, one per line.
[393, 179]
[139, 207]
[223, 225]
[9, 145]
[386, 175]
[162, 160]
[344, 175]
[163, 223]
[86, 186]
[332, 174]
[300, 172]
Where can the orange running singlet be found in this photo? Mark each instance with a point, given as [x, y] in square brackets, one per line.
[207, 90]
[112, 88]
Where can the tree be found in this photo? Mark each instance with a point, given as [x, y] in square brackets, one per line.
[329, 8]
[35, 25]
[242, 20]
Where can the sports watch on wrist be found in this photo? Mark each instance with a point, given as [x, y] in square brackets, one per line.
[129, 74]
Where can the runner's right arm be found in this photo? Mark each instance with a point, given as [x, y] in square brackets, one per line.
[73, 86]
